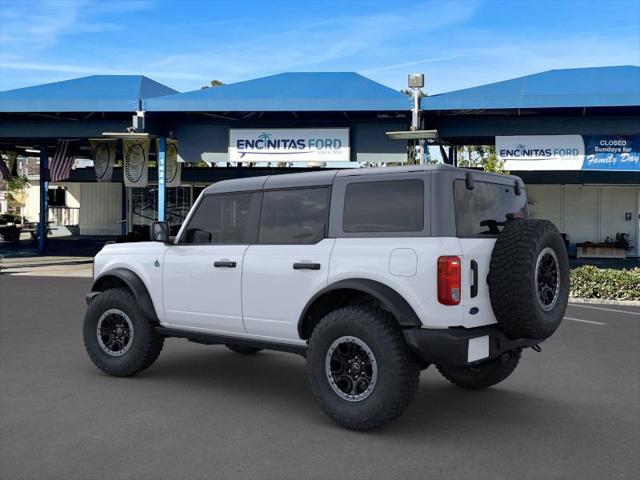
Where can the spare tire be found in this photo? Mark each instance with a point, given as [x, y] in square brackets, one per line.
[529, 278]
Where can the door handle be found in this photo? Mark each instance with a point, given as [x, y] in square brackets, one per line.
[474, 271]
[306, 266]
[224, 264]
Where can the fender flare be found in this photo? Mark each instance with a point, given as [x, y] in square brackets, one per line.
[133, 282]
[389, 299]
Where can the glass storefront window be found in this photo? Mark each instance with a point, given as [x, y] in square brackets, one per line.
[144, 207]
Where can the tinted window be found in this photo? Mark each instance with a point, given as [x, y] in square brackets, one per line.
[483, 210]
[294, 216]
[220, 219]
[388, 206]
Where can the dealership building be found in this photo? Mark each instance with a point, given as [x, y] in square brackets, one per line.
[573, 135]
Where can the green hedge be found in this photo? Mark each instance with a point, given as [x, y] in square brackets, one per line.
[588, 281]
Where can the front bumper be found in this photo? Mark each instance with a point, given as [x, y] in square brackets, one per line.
[461, 346]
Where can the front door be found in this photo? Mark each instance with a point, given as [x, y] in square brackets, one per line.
[201, 285]
[202, 272]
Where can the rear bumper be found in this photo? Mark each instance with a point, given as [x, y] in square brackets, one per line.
[461, 346]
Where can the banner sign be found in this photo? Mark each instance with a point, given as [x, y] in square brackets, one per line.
[569, 152]
[104, 157]
[173, 167]
[136, 162]
[610, 152]
[541, 152]
[289, 145]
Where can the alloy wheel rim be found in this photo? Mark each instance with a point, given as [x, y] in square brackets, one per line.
[115, 332]
[547, 279]
[351, 369]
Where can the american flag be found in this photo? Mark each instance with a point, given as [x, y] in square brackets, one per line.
[4, 170]
[62, 161]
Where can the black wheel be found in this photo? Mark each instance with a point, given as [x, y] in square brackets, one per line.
[529, 279]
[118, 337]
[482, 375]
[360, 369]
[242, 349]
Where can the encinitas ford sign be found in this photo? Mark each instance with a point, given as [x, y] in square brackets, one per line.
[569, 152]
[541, 152]
[289, 145]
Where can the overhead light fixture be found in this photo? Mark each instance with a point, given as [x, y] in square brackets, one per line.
[414, 135]
[126, 134]
[31, 150]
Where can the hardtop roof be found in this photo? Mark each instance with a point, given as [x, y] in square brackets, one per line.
[323, 178]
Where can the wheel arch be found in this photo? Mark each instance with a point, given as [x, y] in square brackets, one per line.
[123, 277]
[352, 290]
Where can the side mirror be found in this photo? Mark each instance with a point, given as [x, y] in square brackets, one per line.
[159, 232]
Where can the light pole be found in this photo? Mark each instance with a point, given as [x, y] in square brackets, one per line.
[416, 83]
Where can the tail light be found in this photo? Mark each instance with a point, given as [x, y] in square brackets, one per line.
[449, 280]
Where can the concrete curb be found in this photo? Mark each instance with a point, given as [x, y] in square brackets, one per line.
[7, 266]
[602, 301]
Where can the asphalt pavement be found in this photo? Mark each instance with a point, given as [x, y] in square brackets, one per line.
[569, 412]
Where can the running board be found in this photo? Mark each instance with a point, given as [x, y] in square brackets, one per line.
[214, 339]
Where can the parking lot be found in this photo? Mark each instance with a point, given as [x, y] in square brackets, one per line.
[572, 411]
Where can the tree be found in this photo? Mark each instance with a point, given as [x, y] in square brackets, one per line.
[213, 83]
[15, 194]
[493, 164]
[474, 156]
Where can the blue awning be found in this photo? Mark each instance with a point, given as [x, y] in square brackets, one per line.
[96, 93]
[577, 87]
[288, 92]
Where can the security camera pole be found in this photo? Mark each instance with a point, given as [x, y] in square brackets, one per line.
[416, 83]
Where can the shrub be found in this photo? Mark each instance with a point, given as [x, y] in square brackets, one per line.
[588, 281]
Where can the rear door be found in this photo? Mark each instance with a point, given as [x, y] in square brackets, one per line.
[289, 263]
[480, 214]
[202, 273]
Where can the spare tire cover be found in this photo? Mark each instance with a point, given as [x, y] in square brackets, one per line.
[529, 278]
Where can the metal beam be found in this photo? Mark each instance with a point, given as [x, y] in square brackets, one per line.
[44, 199]
[162, 179]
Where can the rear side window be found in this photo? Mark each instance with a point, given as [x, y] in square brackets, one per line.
[384, 206]
[294, 216]
[484, 210]
[221, 219]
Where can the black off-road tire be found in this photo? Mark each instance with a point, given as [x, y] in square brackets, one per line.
[485, 374]
[243, 350]
[398, 372]
[145, 345]
[512, 278]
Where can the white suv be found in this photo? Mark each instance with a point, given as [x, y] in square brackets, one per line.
[371, 274]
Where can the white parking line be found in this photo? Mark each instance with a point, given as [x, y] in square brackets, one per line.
[602, 308]
[584, 321]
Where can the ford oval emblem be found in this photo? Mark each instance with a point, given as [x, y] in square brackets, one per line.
[474, 310]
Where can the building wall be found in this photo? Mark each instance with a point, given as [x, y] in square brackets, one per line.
[31, 208]
[100, 208]
[99, 204]
[588, 213]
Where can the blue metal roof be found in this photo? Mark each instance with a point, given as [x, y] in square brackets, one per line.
[577, 87]
[299, 92]
[96, 93]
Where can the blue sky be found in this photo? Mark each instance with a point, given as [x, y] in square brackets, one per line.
[184, 44]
